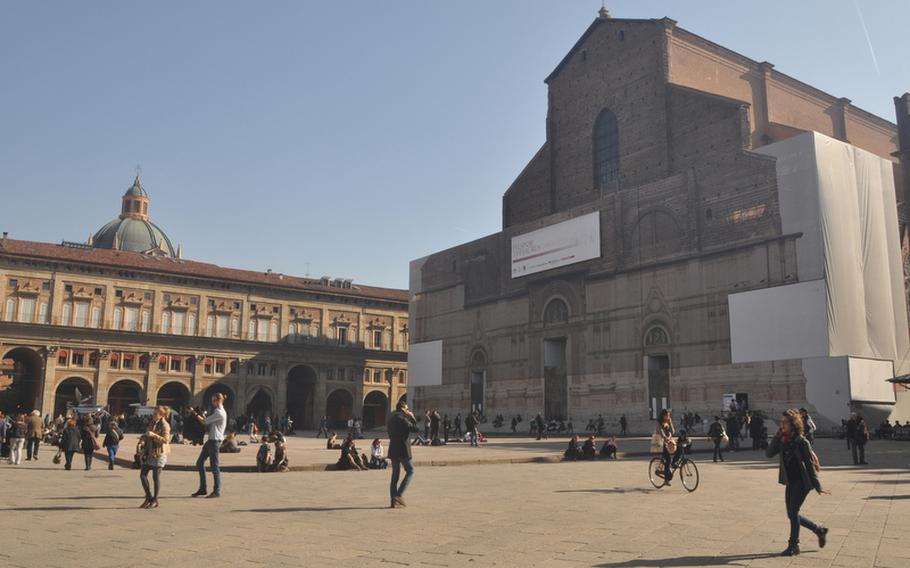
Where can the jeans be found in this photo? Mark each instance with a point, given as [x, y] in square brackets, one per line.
[718, 453]
[395, 489]
[32, 448]
[668, 471]
[69, 459]
[209, 451]
[859, 449]
[112, 453]
[88, 458]
[795, 496]
[15, 450]
[474, 437]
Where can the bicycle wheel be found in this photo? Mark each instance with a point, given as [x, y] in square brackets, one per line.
[688, 473]
[653, 467]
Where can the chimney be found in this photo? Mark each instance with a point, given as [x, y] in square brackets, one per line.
[902, 110]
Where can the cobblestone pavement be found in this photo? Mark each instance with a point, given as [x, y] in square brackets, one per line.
[603, 514]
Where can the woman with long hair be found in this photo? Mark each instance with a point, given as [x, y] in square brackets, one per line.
[798, 471]
[154, 455]
[663, 439]
[89, 434]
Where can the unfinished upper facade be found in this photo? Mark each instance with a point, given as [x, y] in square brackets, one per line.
[651, 132]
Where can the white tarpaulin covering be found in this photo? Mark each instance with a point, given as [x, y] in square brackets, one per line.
[842, 200]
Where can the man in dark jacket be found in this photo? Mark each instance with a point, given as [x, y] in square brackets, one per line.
[470, 424]
[850, 433]
[860, 437]
[401, 424]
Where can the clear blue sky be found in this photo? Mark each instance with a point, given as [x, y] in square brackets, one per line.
[354, 136]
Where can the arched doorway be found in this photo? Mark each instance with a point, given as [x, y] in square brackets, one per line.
[122, 394]
[175, 395]
[72, 392]
[301, 392]
[260, 406]
[375, 409]
[339, 407]
[223, 389]
[21, 371]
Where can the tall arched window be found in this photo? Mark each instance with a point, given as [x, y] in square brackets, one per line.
[556, 312]
[606, 150]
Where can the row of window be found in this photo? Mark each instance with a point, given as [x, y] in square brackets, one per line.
[179, 322]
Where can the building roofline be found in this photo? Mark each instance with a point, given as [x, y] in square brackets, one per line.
[883, 122]
[135, 261]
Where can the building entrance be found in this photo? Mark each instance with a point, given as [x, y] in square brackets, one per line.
[556, 404]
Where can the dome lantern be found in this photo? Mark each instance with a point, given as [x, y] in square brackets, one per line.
[133, 231]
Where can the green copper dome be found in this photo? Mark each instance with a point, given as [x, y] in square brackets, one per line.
[133, 235]
[133, 231]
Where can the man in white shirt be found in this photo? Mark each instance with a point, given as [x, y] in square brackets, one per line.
[215, 424]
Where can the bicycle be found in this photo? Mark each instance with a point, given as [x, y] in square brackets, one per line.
[688, 472]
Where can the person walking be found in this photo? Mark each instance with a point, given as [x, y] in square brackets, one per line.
[112, 442]
[717, 433]
[401, 424]
[214, 423]
[850, 433]
[860, 437]
[33, 436]
[540, 426]
[808, 424]
[798, 471]
[70, 442]
[323, 427]
[156, 446]
[470, 424]
[89, 439]
[623, 424]
[456, 433]
[17, 434]
[434, 425]
[446, 425]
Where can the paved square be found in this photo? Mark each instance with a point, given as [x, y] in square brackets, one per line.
[602, 514]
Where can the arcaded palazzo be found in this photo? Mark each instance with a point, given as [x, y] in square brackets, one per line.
[125, 319]
[654, 200]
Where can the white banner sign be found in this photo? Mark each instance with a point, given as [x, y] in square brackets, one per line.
[562, 244]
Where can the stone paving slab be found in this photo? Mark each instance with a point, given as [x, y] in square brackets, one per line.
[603, 514]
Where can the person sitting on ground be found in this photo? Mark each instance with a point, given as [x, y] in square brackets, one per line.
[349, 458]
[609, 448]
[280, 463]
[264, 457]
[229, 445]
[589, 448]
[377, 457]
[573, 452]
[332, 442]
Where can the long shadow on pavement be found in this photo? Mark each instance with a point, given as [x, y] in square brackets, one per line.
[307, 509]
[66, 508]
[689, 561]
[608, 490]
[889, 497]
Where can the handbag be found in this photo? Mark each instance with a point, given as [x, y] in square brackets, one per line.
[57, 457]
[95, 443]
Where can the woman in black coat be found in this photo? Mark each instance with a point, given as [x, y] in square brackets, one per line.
[70, 442]
[89, 434]
[798, 471]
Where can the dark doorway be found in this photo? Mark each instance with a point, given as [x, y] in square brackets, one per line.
[223, 389]
[339, 407]
[301, 392]
[174, 395]
[375, 410]
[72, 392]
[20, 380]
[556, 404]
[658, 383]
[260, 406]
[121, 395]
[477, 391]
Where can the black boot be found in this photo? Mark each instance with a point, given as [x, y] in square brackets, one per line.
[792, 550]
[822, 535]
